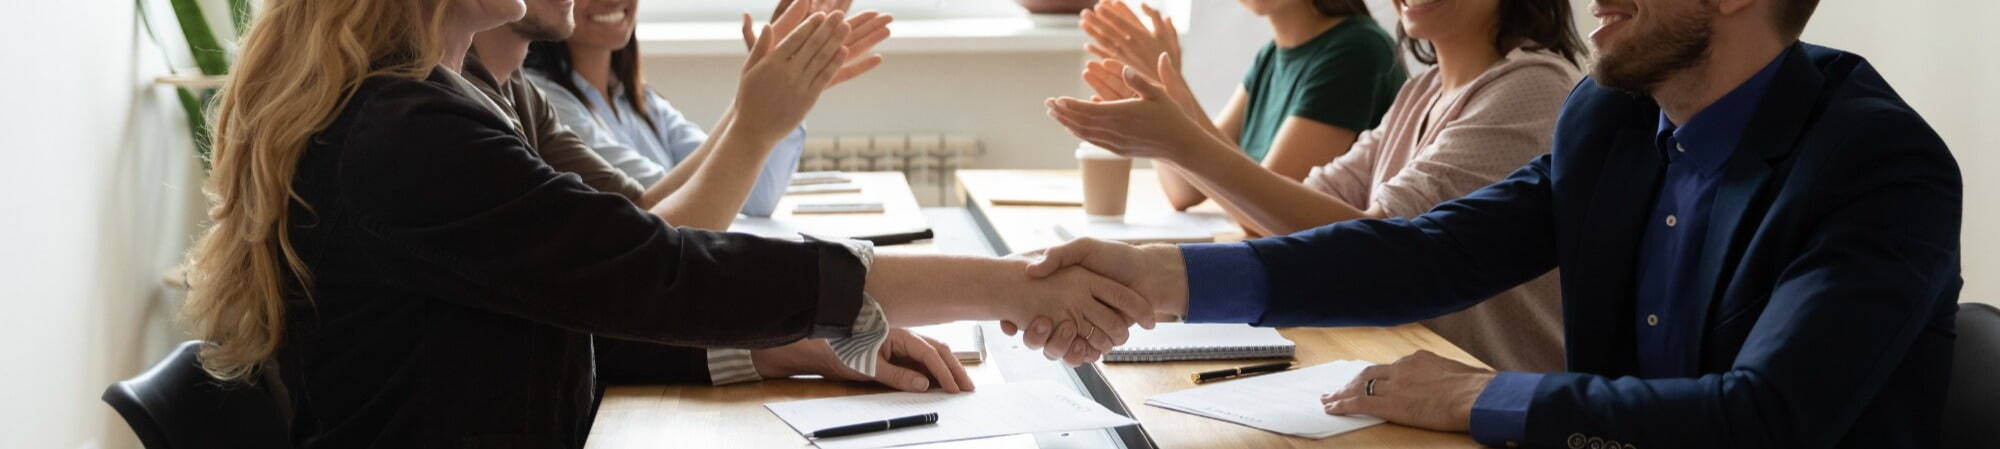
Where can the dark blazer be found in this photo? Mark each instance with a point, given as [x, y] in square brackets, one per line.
[457, 282]
[1832, 255]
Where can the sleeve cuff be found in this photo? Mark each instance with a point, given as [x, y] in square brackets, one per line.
[1500, 415]
[731, 366]
[1226, 283]
[857, 351]
[843, 271]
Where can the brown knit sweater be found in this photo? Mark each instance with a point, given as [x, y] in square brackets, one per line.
[1475, 136]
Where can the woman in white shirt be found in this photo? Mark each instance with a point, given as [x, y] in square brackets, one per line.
[594, 82]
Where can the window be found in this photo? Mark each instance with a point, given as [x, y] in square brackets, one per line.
[720, 11]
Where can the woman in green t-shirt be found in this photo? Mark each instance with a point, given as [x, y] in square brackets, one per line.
[1328, 74]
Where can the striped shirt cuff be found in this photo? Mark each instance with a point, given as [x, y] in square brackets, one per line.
[857, 351]
[731, 366]
[871, 328]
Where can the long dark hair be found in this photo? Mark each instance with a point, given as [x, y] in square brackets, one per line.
[1341, 8]
[1544, 22]
[552, 60]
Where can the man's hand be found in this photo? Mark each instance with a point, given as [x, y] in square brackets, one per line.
[1086, 313]
[907, 362]
[1156, 272]
[1422, 390]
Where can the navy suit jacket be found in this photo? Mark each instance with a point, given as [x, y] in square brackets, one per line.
[1832, 258]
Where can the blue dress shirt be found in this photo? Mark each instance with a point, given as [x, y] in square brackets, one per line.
[1228, 284]
[647, 150]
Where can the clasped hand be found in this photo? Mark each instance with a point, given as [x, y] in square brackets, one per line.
[1421, 390]
[1154, 273]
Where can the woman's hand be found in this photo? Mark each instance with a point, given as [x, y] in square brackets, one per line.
[868, 29]
[1150, 124]
[1118, 34]
[907, 362]
[1087, 314]
[783, 80]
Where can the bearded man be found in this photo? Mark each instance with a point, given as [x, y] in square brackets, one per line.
[1759, 243]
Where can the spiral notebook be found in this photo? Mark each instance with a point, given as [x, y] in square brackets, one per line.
[1183, 341]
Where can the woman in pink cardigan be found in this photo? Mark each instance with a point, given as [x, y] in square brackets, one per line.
[1489, 106]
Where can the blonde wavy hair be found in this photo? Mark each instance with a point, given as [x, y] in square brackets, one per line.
[300, 61]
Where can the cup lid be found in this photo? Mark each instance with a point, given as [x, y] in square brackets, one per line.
[1089, 151]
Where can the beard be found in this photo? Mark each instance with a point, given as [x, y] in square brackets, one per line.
[1650, 56]
[538, 29]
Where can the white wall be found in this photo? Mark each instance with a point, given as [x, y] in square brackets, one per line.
[95, 209]
[995, 96]
[1940, 55]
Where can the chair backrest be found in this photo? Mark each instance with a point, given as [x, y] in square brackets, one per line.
[176, 405]
[1973, 407]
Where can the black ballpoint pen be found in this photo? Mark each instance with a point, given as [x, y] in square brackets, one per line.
[1232, 373]
[874, 426]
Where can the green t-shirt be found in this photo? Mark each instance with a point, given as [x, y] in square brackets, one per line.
[1346, 77]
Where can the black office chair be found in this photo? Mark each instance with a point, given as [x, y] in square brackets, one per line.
[1973, 407]
[176, 405]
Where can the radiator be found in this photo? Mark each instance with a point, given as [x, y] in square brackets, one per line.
[927, 159]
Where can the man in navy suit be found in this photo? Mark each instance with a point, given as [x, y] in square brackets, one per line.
[1759, 242]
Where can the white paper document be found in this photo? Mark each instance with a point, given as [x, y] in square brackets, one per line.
[1286, 402]
[993, 410]
[1148, 228]
[1185, 341]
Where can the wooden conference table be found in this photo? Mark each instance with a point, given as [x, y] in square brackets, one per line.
[734, 416]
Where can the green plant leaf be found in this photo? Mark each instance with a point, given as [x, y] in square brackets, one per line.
[207, 50]
[197, 123]
[239, 11]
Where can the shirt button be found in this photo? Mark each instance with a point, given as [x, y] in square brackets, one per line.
[1673, 220]
[1652, 320]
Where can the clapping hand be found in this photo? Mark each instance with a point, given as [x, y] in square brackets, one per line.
[869, 28]
[1117, 34]
[1149, 123]
[784, 79]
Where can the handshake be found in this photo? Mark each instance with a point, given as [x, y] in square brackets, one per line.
[1077, 301]
[1090, 294]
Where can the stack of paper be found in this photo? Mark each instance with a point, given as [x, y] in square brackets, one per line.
[993, 410]
[967, 342]
[1182, 341]
[1286, 403]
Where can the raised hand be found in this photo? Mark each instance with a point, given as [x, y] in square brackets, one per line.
[907, 362]
[1106, 77]
[1117, 34]
[869, 28]
[784, 79]
[1150, 124]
